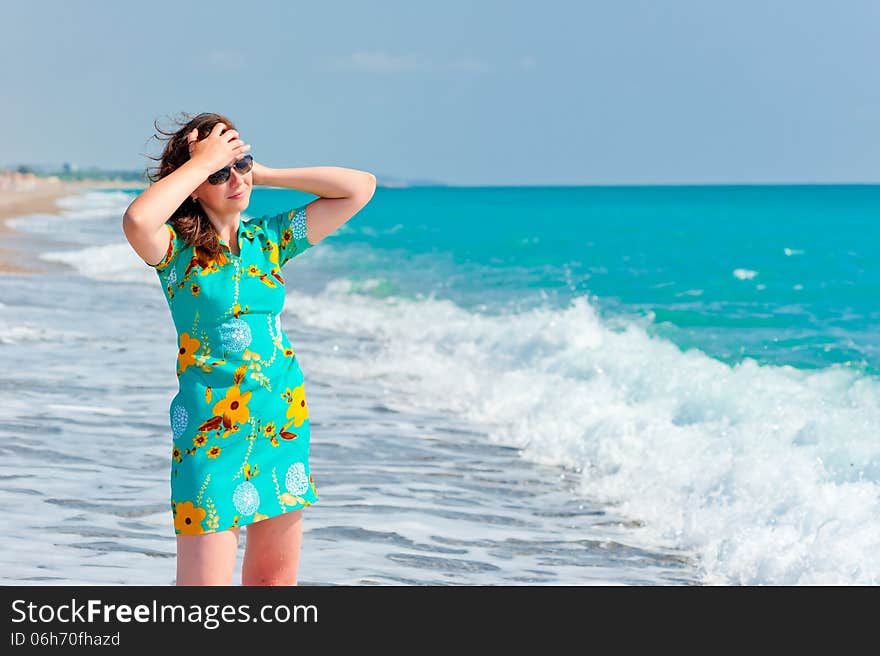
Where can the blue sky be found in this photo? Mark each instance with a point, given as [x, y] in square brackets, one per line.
[466, 93]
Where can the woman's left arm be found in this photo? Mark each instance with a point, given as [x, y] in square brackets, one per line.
[343, 193]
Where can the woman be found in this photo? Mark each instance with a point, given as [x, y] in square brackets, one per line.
[239, 421]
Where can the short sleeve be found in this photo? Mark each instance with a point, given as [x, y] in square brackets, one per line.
[174, 246]
[288, 230]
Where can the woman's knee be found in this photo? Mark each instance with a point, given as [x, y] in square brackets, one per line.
[272, 550]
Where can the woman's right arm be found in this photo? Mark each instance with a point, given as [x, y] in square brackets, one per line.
[144, 221]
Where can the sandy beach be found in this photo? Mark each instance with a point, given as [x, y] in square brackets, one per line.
[39, 195]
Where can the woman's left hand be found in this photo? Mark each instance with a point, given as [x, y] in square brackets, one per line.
[259, 171]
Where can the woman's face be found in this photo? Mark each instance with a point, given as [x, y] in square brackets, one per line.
[227, 197]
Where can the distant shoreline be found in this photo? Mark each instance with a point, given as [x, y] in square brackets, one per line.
[39, 196]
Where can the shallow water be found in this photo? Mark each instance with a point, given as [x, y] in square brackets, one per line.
[407, 496]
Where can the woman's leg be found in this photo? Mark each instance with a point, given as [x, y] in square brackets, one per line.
[207, 559]
[271, 552]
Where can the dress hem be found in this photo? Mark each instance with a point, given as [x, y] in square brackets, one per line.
[250, 520]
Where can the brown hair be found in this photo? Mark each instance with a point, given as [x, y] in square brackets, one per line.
[190, 220]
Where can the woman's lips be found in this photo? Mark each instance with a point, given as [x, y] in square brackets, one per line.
[239, 194]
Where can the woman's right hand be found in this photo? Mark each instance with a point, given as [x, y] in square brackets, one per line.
[216, 150]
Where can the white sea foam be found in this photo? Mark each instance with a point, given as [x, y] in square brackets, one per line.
[112, 262]
[95, 204]
[744, 274]
[11, 333]
[80, 207]
[771, 473]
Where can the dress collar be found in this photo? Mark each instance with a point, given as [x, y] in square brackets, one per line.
[243, 231]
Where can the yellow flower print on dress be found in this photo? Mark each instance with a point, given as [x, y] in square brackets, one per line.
[186, 355]
[266, 278]
[269, 431]
[292, 500]
[273, 251]
[188, 518]
[297, 407]
[233, 408]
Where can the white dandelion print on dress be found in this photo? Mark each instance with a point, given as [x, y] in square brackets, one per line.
[246, 498]
[179, 419]
[235, 335]
[296, 481]
[298, 225]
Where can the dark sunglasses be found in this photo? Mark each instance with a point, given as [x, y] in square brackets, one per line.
[245, 164]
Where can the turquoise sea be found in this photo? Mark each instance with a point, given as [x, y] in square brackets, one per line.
[780, 274]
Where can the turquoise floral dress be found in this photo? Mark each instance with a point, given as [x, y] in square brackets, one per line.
[239, 421]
